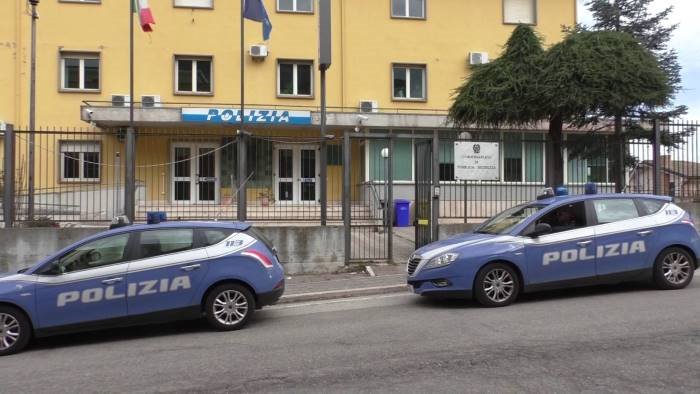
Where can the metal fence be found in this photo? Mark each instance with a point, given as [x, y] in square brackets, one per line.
[193, 174]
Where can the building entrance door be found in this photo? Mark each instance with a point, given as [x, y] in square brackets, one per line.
[195, 173]
[296, 172]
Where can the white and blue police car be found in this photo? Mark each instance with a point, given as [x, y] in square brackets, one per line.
[562, 241]
[140, 274]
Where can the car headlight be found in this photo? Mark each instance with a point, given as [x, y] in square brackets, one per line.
[441, 261]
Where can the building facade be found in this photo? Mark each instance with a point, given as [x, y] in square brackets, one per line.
[395, 64]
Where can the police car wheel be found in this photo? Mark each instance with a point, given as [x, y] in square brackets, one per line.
[15, 330]
[674, 269]
[229, 307]
[496, 285]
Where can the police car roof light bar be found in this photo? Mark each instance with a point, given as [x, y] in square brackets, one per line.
[548, 192]
[561, 191]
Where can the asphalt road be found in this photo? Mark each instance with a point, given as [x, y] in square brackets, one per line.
[629, 338]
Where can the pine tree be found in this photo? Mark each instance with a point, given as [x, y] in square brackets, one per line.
[654, 33]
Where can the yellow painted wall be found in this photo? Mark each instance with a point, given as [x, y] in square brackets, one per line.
[366, 42]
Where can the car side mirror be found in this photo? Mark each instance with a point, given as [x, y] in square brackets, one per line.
[540, 229]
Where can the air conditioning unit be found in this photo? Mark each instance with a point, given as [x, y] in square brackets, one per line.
[121, 100]
[368, 106]
[258, 51]
[150, 101]
[478, 58]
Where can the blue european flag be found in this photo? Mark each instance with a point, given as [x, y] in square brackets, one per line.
[255, 11]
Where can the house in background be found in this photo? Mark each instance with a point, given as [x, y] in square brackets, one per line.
[679, 178]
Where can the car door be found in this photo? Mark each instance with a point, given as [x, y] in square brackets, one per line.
[166, 271]
[623, 236]
[85, 284]
[567, 252]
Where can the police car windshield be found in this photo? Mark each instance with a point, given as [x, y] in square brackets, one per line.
[505, 221]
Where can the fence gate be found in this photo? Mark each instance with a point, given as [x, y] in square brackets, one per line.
[368, 204]
[424, 185]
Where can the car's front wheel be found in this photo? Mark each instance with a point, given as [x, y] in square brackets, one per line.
[496, 284]
[673, 269]
[229, 307]
[15, 330]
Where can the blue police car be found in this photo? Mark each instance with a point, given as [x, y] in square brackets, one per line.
[141, 273]
[562, 241]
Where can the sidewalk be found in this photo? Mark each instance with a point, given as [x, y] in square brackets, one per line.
[388, 279]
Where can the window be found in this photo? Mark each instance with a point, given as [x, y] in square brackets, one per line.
[334, 154]
[194, 3]
[582, 169]
[306, 6]
[80, 161]
[193, 75]
[512, 157]
[402, 164]
[408, 9]
[615, 210]
[159, 242]
[294, 79]
[80, 72]
[651, 206]
[446, 154]
[565, 218]
[520, 11]
[99, 253]
[408, 82]
[213, 236]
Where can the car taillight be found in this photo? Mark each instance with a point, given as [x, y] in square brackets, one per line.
[264, 260]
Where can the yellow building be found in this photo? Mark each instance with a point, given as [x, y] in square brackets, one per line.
[395, 63]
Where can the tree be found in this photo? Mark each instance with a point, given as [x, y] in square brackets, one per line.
[584, 78]
[633, 17]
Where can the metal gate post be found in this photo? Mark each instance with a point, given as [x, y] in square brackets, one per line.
[389, 201]
[130, 177]
[657, 158]
[242, 176]
[346, 194]
[8, 198]
[436, 186]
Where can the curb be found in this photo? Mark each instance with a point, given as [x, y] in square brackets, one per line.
[345, 293]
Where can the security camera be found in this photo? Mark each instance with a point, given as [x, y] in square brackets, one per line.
[361, 118]
[89, 112]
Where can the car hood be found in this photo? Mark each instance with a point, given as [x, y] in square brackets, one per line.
[458, 241]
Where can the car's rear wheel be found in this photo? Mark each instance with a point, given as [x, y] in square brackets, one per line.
[674, 269]
[229, 307]
[15, 330]
[496, 284]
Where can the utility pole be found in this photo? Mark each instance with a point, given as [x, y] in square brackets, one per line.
[32, 115]
[130, 181]
[324, 62]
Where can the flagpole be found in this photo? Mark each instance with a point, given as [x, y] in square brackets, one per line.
[130, 176]
[242, 197]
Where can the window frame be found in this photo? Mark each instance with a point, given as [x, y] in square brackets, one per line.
[193, 59]
[81, 56]
[194, 7]
[196, 242]
[295, 78]
[295, 9]
[608, 181]
[407, 67]
[127, 257]
[594, 211]
[81, 160]
[535, 19]
[408, 12]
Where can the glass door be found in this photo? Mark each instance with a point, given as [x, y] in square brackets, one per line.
[296, 173]
[195, 173]
[182, 174]
[207, 179]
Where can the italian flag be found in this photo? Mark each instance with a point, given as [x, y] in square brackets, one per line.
[145, 15]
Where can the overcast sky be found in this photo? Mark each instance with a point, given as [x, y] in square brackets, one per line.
[686, 41]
